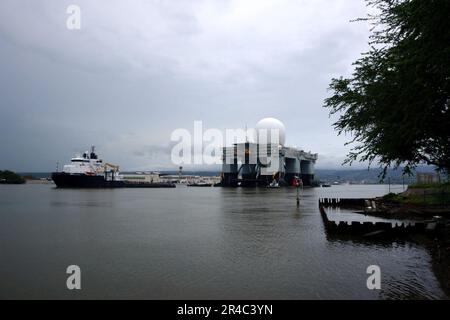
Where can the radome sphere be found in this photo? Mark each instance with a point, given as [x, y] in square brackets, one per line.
[266, 125]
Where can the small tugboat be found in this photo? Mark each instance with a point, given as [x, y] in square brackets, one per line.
[88, 171]
[274, 185]
[200, 184]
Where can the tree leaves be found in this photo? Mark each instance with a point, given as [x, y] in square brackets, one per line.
[396, 104]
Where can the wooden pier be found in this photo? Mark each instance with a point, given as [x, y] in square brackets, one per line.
[370, 228]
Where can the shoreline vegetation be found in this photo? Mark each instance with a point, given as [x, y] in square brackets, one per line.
[418, 200]
[10, 177]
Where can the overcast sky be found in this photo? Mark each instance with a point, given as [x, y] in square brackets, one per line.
[139, 69]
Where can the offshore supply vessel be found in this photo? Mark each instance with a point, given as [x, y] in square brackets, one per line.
[88, 171]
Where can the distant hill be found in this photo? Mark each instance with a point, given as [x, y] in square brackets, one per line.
[365, 176]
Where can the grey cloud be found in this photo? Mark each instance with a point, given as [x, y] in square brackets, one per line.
[140, 69]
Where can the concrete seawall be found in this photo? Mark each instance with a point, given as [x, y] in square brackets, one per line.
[369, 228]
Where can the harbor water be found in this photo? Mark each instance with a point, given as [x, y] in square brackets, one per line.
[196, 243]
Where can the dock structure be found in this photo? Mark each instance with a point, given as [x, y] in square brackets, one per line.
[368, 229]
[342, 202]
[251, 164]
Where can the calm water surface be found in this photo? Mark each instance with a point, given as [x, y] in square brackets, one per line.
[195, 243]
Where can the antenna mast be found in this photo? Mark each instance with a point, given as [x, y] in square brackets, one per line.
[246, 133]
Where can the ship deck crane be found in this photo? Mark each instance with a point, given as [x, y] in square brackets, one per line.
[112, 166]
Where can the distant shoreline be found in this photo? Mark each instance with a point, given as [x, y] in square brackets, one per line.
[328, 176]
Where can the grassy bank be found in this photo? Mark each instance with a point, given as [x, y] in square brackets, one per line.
[431, 186]
[423, 194]
[423, 199]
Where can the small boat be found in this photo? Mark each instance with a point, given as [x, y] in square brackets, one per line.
[273, 185]
[200, 184]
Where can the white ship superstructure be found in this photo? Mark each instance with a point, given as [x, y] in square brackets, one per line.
[89, 164]
[88, 171]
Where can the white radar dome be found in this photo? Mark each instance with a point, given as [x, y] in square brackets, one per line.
[264, 128]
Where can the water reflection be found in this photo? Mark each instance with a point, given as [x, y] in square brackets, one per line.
[205, 243]
[268, 229]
